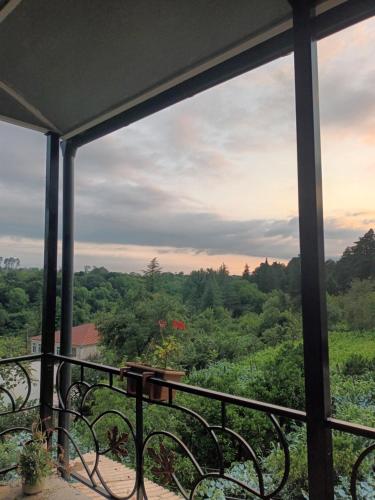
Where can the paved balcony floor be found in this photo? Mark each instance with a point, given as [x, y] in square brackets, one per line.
[119, 478]
[55, 489]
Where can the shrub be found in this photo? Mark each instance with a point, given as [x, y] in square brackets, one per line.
[35, 460]
[358, 365]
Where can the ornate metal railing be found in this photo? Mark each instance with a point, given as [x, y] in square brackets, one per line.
[203, 441]
[15, 398]
[13, 372]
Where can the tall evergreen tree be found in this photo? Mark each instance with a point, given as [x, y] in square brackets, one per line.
[194, 288]
[222, 275]
[246, 272]
[212, 295]
[293, 277]
[357, 261]
[152, 274]
[261, 276]
[269, 277]
[331, 278]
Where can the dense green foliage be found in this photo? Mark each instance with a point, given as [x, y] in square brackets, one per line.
[274, 374]
[241, 335]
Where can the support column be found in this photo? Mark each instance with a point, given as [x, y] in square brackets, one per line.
[313, 292]
[49, 277]
[67, 290]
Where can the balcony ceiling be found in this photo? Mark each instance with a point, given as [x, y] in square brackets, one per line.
[67, 65]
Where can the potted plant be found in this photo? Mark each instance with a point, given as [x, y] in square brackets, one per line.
[157, 362]
[35, 462]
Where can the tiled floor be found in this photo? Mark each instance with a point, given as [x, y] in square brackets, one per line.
[55, 489]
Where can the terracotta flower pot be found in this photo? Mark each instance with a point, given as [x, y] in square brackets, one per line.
[33, 489]
[154, 391]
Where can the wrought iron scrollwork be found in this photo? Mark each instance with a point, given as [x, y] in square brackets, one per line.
[9, 432]
[354, 477]
[15, 392]
[117, 442]
[164, 458]
[160, 449]
[20, 402]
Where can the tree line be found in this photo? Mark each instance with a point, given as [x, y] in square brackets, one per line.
[98, 291]
[357, 262]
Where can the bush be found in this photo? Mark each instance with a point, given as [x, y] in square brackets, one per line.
[358, 365]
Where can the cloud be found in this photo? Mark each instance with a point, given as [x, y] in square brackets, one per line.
[201, 232]
[348, 102]
[347, 78]
[213, 175]
[22, 158]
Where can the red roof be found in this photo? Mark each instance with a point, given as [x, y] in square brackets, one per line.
[85, 334]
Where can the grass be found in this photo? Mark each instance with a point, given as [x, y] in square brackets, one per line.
[264, 356]
[343, 344]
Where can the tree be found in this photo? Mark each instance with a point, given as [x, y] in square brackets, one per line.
[223, 270]
[283, 382]
[278, 273]
[10, 374]
[133, 331]
[357, 261]
[81, 307]
[11, 263]
[331, 278]
[359, 305]
[269, 277]
[17, 300]
[212, 296]
[293, 277]
[194, 288]
[96, 277]
[242, 297]
[206, 288]
[246, 272]
[152, 274]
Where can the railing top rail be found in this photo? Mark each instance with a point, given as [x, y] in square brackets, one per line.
[351, 428]
[86, 364]
[281, 411]
[26, 357]
[199, 391]
[237, 400]
[95, 366]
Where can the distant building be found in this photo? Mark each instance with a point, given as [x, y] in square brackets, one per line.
[85, 340]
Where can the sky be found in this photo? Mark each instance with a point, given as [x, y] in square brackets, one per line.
[212, 179]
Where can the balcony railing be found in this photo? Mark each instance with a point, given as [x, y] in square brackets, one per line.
[205, 446]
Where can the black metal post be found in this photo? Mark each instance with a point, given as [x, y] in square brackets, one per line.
[66, 292]
[318, 404]
[49, 278]
[139, 436]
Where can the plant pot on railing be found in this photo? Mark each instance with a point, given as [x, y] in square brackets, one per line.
[154, 391]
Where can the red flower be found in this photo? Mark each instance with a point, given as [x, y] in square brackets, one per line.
[178, 325]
